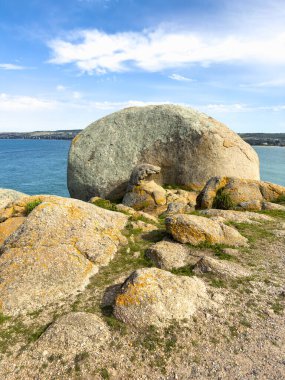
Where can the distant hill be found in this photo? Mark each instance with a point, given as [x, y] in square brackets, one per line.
[270, 139]
[42, 135]
[265, 139]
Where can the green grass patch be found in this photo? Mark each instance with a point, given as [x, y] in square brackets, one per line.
[279, 214]
[218, 283]
[280, 200]
[32, 205]
[253, 232]
[222, 201]
[106, 204]
[184, 271]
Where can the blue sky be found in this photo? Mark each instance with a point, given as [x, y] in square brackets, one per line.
[66, 63]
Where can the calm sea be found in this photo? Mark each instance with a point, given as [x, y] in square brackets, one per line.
[39, 166]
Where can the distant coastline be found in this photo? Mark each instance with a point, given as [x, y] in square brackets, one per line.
[256, 139]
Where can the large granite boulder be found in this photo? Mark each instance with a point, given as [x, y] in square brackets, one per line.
[232, 192]
[189, 146]
[58, 246]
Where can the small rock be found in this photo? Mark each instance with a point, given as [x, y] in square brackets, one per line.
[169, 255]
[221, 268]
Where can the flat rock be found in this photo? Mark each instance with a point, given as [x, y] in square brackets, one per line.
[221, 268]
[169, 255]
[236, 216]
[55, 251]
[189, 146]
[8, 195]
[155, 297]
[74, 333]
[197, 229]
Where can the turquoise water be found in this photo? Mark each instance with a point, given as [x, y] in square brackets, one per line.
[34, 166]
[39, 166]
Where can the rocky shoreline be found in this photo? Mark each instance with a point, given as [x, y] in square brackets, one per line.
[171, 281]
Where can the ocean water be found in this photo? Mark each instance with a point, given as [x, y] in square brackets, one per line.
[40, 166]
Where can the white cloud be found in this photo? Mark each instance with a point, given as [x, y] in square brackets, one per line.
[180, 78]
[60, 88]
[15, 103]
[76, 95]
[270, 83]
[155, 50]
[11, 66]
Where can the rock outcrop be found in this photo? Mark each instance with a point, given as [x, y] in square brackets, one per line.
[8, 195]
[156, 297]
[142, 192]
[54, 252]
[190, 147]
[232, 192]
[197, 229]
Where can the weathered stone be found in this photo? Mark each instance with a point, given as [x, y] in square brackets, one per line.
[245, 193]
[135, 213]
[143, 193]
[182, 196]
[156, 297]
[144, 227]
[178, 208]
[221, 268]
[73, 334]
[236, 216]
[8, 195]
[272, 206]
[197, 229]
[59, 246]
[169, 255]
[190, 147]
[9, 226]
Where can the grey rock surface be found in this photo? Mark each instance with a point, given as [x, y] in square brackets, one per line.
[189, 146]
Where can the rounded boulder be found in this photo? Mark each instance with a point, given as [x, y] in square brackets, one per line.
[189, 146]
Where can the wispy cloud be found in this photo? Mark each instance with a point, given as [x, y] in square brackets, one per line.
[270, 83]
[155, 50]
[15, 103]
[180, 78]
[11, 66]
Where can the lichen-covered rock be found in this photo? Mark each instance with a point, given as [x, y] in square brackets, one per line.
[197, 229]
[178, 208]
[156, 297]
[9, 226]
[55, 251]
[236, 216]
[8, 195]
[169, 255]
[190, 147]
[142, 192]
[231, 192]
[182, 196]
[220, 268]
